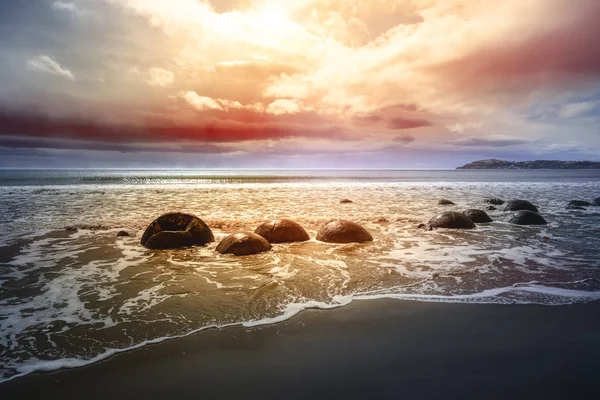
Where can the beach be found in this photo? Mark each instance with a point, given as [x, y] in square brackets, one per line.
[368, 349]
[75, 293]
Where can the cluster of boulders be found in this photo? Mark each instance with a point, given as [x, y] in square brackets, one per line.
[178, 230]
[524, 213]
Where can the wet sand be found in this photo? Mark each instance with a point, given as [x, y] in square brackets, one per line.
[384, 349]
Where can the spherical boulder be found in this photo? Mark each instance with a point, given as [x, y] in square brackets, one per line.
[526, 217]
[518, 205]
[596, 202]
[282, 231]
[176, 230]
[451, 220]
[243, 244]
[346, 201]
[496, 202]
[478, 216]
[580, 203]
[445, 202]
[342, 231]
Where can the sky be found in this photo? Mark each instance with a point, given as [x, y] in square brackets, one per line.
[297, 83]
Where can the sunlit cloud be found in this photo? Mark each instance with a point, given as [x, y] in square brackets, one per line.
[160, 77]
[43, 63]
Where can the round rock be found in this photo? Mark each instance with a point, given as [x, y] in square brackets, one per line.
[445, 202]
[452, 220]
[478, 216]
[346, 201]
[518, 205]
[122, 233]
[526, 217]
[580, 203]
[282, 231]
[176, 230]
[496, 202]
[342, 231]
[243, 244]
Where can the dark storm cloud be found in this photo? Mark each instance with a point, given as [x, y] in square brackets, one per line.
[37, 126]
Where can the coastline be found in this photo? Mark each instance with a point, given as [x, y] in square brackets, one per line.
[377, 348]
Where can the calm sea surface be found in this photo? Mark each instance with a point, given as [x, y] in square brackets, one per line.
[69, 297]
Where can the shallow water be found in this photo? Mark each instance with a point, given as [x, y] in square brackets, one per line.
[70, 297]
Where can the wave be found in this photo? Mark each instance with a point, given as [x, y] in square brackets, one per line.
[517, 294]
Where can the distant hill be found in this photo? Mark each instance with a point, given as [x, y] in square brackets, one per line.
[537, 164]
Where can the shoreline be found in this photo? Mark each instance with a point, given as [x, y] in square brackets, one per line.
[383, 347]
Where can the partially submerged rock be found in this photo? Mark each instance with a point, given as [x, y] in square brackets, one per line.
[176, 230]
[526, 217]
[491, 208]
[445, 202]
[580, 203]
[496, 202]
[572, 207]
[122, 233]
[517, 205]
[452, 220]
[478, 216]
[282, 231]
[596, 202]
[243, 244]
[346, 201]
[342, 231]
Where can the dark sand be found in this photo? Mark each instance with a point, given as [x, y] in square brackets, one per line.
[370, 349]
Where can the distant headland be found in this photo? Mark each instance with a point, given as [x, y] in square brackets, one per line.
[537, 164]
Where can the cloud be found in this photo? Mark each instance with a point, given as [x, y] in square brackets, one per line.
[160, 77]
[46, 64]
[67, 6]
[406, 139]
[201, 103]
[490, 142]
[201, 130]
[285, 106]
[573, 110]
[407, 123]
[462, 127]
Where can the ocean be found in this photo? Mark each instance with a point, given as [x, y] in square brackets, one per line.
[72, 293]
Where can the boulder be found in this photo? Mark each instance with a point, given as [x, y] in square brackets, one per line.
[478, 216]
[596, 202]
[346, 201]
[496, 202]
[445, 202]
[342, 231]
[243, 244]
[571, 207]
[580, 203]
[176, 230]
[491, 208]
[452, 220]
[122, 234]
[282, 231]
[526, 217]
[517, 205]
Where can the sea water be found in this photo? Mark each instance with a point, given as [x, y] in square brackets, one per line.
[72, 293]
